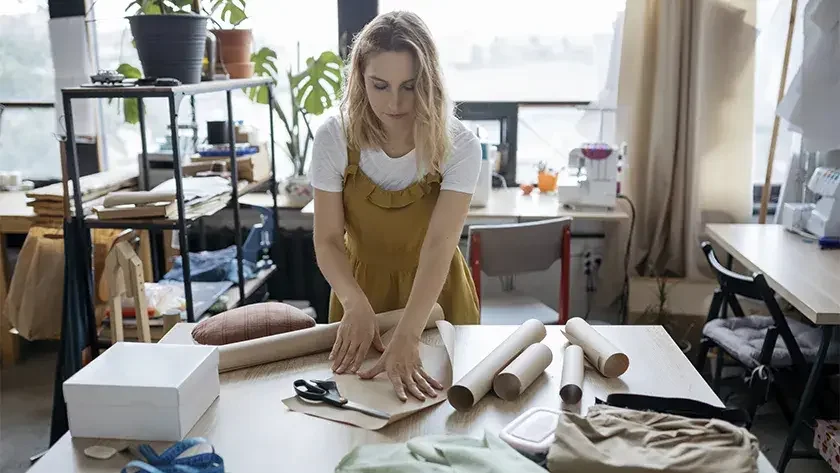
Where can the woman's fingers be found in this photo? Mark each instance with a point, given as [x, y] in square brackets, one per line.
[423, 384]
[373, 370]
[377, 341]
[349, 356]
[396, 380]
[336, 346]
[361, 354]
[432, 381]
[339, 357]
[411, 386]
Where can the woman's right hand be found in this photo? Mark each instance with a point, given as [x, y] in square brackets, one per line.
[357, 332]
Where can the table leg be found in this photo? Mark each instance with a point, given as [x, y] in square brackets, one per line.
[9, 343]
[807, 397]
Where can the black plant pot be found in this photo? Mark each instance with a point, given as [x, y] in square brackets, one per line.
[170, 45]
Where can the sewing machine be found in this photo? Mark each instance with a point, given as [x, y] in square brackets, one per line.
[595, 181]
[823, 218]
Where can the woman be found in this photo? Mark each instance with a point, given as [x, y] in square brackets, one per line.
[395, 172]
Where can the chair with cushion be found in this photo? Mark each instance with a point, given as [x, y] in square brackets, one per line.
[506, 250]
[764, 345]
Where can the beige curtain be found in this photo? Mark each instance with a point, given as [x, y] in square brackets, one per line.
[685, 103]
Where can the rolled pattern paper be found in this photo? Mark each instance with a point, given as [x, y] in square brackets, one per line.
[606, 358]
[571, 382]
[478, 381]
[308, 341]
[137, 198]
[522, 371]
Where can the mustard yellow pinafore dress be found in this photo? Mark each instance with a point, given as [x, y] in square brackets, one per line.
[384, 233]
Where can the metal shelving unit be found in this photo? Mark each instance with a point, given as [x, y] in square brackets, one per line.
[174, 96]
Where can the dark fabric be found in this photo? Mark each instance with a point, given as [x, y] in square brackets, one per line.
[676, 406]
[78, 322]
[298, 276]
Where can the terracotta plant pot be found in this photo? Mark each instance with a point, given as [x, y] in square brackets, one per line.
[234, 47]
[242, 70]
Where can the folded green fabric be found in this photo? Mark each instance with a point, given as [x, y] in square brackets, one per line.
[438, 454]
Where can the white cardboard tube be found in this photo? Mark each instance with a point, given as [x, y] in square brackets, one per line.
[521, 372]
[571, 383]
[475, 384]
[606, 358]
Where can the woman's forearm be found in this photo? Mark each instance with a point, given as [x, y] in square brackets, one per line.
[335, 266]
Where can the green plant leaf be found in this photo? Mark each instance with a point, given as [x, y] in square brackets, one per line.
[131, 112]
[233, 11]
[265, 65]
[318, 86]
[129, 71]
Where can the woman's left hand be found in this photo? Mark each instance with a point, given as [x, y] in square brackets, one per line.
[401, 362]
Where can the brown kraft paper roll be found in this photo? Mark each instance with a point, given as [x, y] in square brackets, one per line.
[136, 197]
[606, 358]
[284, 346]
[571, 383]
[475, 384]
[521, 372]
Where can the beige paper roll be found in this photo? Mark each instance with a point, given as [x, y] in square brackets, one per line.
[571, 383]
[308, 341]
[475, 384]
[521, 372]
[139, 197]
[609, 361]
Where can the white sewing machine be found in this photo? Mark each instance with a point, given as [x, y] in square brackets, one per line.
[823, 218]
[595, 183]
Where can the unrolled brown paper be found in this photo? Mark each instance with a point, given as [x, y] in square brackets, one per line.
[475, 384]
[521, 372]
[284, 346]
[606, 358]
[379, 392]
[571, 383]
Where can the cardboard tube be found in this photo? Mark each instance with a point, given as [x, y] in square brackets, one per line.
[571, 384]
[521, 372]
[138, 198]
[308, 341]
[606, 358]
[475, 384]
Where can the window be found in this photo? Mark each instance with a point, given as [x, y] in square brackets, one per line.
[772, 23]
[27, 95]
[295, 30]
[541, 55]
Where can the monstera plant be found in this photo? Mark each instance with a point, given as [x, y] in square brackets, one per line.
[312, 91]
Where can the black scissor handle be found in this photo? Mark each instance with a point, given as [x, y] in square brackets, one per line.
[310, 391]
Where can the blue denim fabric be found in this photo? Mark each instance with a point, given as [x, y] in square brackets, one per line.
[212, 266]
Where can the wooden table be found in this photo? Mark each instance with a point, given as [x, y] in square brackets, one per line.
[807, 277]
[253, 431]
[15, 217]
[511, 206]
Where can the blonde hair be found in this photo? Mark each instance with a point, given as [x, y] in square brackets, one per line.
[399, 31]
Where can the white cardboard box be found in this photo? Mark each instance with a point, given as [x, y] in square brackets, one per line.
[143, 391]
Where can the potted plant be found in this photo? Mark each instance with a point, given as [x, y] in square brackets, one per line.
[233, 45]
[312, 91]
[658, 313]
[169, 38]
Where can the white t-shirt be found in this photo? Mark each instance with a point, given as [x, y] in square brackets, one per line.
[329, 159]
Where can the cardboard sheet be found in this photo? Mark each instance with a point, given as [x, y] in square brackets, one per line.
[379, 392]
[475, 384]
[284, 346]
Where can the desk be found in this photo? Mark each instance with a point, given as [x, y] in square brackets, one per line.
[807, 277]
[15, 217]
[253, 431]
[510, 206]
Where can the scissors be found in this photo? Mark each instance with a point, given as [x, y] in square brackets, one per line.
[327, 392]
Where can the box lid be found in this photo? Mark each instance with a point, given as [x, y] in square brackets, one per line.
[138, 374]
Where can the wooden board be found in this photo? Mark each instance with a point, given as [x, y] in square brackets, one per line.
[250, 427]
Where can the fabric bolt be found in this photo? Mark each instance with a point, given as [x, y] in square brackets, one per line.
[249, 322]
[384, 234]
[212, 266]
[612, 439]
[438, 454]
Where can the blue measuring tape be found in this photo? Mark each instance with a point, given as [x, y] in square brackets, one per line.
[171, 461]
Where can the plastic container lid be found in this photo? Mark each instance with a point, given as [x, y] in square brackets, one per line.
[533, 431]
